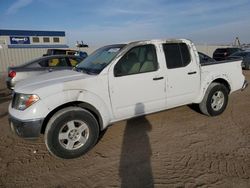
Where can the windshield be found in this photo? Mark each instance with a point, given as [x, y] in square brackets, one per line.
[99, 59]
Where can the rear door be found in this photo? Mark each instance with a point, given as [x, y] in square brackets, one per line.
[183, 74]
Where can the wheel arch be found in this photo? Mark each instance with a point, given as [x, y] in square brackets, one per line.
[208, 105]
[222, 79]
[81, 104]
[223, 82]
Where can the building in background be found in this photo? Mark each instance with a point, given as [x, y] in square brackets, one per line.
[32, 39]
[19, 46]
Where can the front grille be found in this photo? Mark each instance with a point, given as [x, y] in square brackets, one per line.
[15, 100]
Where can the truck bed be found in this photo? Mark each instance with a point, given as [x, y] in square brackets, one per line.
[228, 70]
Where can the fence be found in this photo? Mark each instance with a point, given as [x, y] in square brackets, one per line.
[17, 56]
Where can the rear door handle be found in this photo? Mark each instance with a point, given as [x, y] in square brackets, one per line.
[194, 72]
[158, 78]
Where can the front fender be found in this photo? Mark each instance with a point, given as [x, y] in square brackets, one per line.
[80, 96]
[99, 104]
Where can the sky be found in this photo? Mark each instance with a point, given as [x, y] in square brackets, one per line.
[101, 22]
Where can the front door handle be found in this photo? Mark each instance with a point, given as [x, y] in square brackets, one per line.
[158, 78]
[194, 72]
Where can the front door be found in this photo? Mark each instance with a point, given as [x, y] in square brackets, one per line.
[137, 85]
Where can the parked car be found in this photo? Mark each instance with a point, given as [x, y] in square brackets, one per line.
[53, 51]
[221, 54]
[40, 66]
[245, 55]
[118, 82]
[204, 59]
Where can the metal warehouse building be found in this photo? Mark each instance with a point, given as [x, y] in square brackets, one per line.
[18, 46]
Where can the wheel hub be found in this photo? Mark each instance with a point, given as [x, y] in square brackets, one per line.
[74, 135]
[217, 100]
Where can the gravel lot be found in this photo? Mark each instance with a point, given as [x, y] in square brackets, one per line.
[174, 148]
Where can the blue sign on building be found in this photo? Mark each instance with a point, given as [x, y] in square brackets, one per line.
[19, 40]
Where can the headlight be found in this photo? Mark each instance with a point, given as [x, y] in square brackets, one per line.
[23, 101]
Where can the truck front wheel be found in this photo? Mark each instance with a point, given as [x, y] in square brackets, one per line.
[71, 132]
[215, 100]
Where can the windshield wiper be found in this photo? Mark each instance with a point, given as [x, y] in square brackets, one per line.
[81, 69]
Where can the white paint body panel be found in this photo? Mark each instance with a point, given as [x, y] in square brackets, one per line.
[118, 98]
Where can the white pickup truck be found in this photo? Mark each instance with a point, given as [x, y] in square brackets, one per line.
[119, 82]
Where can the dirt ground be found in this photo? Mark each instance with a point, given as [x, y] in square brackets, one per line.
[174, 148]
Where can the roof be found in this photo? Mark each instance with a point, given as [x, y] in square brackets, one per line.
[159, 41]
[5, 32]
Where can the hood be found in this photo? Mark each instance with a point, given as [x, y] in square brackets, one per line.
[32, 84]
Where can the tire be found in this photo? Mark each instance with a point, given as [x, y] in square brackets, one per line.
[71, 132]
[215, 100]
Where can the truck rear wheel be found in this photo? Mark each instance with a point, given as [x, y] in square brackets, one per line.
[215, 100]
[71, 132]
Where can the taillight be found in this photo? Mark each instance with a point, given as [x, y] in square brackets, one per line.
[12, 74]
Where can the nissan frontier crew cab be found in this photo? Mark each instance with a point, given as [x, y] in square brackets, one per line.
[118, 82]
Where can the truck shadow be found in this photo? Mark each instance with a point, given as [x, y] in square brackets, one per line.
[135, 163]
[195, 107]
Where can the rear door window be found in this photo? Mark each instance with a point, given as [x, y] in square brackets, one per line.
[176, 54]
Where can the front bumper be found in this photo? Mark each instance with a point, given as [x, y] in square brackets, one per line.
[27, 129]
[244, 86]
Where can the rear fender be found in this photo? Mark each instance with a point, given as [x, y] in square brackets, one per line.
[210, 78]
